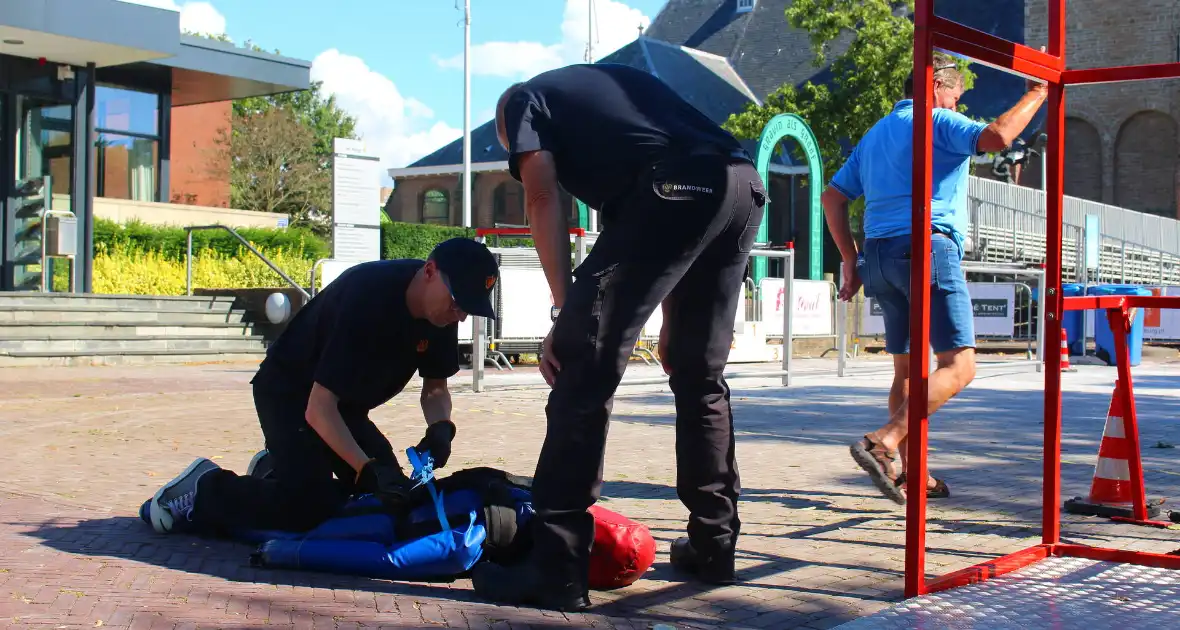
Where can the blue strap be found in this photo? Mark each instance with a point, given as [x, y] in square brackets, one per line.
[424, 474]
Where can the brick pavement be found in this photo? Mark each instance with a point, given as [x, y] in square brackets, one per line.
[84, 446]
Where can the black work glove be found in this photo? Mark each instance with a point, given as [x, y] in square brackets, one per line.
[386, 481]
[438, 441]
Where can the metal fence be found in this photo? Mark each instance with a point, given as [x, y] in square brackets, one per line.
[489, 340]
[1152, 232]
[1008, 224]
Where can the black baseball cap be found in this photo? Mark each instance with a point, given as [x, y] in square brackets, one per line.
[471, 272]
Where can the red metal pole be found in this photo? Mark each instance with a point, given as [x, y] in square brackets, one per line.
[991, 569]
[999, 46]
[915, 539]
[996, 59]
[1144, 72]
[1054, 200]
[1119, 325]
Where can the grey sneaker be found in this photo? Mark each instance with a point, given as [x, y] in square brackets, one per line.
[171, 507]
[261, 465]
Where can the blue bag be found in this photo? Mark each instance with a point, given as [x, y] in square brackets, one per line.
[438, 539]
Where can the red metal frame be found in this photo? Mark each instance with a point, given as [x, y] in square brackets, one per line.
[931, 31]
[519, 232]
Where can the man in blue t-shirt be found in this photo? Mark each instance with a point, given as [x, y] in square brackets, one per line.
[880, 169]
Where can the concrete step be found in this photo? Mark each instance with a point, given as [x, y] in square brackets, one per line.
[102, 315]
[166, 343]
[134, 302]
[78, 330]
[77, 359]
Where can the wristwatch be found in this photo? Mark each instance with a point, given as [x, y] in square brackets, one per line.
[553, 311]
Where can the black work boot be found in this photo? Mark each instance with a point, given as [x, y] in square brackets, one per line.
[523, 585]
[717, 569]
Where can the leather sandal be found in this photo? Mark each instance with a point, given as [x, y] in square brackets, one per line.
[939, 491]
[877, 461]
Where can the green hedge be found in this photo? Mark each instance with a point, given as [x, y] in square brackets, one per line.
[416, 240]
[398, 239]
[170, 241]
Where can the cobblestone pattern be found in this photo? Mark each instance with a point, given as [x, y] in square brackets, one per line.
[83, 447]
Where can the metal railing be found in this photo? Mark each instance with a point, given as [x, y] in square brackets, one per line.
[1002, 233]
[1140, 229]
[188, 260]
[484, 344]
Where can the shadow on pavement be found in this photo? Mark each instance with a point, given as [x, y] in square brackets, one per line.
[986, 443]
[130, 539]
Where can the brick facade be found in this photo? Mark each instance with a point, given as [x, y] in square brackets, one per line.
[497, 198]
[199, 174]
[1121, 140]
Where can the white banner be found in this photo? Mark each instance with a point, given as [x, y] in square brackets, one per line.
[1162, 323]
[812, 310]
[526, 302]
[994, 304]
[331, 269]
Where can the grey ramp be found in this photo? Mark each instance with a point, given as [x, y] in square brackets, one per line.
[1055, 593]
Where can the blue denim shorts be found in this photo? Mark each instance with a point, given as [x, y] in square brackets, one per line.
[884, 269]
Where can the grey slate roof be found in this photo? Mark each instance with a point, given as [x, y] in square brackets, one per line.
[761, 46]
[719, 60]
[704, 80]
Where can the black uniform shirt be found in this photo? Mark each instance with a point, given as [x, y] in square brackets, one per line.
[358, 339]
[604, 123]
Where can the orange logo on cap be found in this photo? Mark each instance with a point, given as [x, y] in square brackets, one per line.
[423, 345]
[490, 282]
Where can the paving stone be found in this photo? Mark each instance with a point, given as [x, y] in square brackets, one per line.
[83, 447]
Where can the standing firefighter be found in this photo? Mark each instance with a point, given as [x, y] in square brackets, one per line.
[681, 204]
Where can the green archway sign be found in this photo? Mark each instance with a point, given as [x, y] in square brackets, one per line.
[792, 126]
[583, 215]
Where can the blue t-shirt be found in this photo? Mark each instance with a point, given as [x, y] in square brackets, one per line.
[881, 169]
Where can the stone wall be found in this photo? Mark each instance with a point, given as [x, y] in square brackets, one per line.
[1121, 139]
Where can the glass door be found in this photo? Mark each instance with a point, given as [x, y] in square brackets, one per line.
[44, 148]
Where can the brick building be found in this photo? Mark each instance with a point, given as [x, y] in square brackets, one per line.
[1121, 142]
[110, 101]
[1121, 139]
[200, 171]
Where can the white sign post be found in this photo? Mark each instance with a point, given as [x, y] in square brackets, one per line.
[812, 307]
[356, 208]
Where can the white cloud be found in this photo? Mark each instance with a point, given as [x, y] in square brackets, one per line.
[397, 128]
[198, 17]
[615, 25]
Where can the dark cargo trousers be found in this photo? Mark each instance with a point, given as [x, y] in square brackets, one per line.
[684, 233]
[310, 481]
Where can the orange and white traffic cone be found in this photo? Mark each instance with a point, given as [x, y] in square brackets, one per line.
[1110, 489]
[1112, 474]
[1065, 366]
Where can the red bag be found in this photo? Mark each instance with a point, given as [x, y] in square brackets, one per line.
[623, 550]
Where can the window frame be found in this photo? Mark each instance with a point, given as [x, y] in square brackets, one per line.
[158, 177]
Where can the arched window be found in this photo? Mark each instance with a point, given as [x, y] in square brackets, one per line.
[436, 207]
[508, 205]
[1145, 164]
[1083, 160]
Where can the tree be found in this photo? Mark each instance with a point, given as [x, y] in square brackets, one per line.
[319, 114]
[867, 78]
[307, 116]
[275, 168]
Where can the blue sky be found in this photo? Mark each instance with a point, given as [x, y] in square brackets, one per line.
[397, 64]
